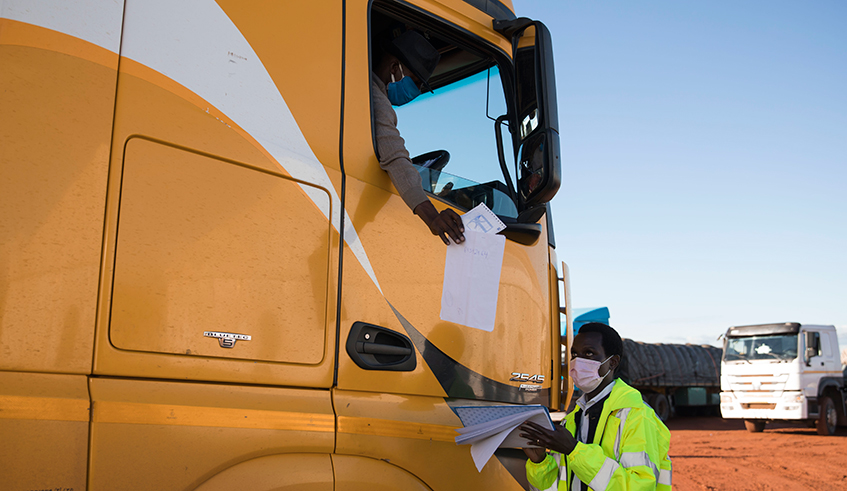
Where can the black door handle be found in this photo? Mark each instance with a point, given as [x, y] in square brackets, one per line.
[381, 349]
[377, 348]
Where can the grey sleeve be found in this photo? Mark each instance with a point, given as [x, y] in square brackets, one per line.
[393, 156]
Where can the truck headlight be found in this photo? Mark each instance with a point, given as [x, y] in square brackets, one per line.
[726, 398]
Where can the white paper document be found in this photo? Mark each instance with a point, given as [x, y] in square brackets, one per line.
[487, 428]
[481, 219]
[472, 280]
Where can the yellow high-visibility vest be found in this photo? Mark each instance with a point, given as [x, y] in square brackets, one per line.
[633, 459]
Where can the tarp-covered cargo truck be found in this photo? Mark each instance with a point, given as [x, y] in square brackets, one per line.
[208, 282]
[673, 377]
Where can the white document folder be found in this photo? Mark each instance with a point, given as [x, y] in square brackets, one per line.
[487, 428]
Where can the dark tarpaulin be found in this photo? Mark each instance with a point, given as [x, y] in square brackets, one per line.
[670, 365]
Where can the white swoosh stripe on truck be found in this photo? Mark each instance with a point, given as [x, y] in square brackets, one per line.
[188, 41]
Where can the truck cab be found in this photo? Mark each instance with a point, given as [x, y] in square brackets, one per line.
[207, 282]
[788, 372]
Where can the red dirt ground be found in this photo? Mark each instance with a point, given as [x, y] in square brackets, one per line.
[710, 453]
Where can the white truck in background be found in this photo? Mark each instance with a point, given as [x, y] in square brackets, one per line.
[783, 372]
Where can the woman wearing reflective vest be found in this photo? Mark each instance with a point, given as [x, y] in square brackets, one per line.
[612, 440]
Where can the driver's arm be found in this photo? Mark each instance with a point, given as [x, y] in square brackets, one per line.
[394, 159]
[391, 149]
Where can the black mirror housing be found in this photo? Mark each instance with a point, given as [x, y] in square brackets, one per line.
[539, 163]
[538, 168]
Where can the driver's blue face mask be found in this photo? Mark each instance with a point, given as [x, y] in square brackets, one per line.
[402, 92]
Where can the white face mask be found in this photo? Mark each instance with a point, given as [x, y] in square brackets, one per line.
[585, 373]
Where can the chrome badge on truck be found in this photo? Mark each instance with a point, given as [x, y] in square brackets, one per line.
[530, 383]
[227, 339]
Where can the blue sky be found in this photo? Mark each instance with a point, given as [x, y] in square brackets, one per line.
[704, 150]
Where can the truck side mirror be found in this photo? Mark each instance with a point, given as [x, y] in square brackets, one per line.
[811, 348]
[807, 356]
[538, 164]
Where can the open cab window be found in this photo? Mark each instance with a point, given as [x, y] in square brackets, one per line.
[450, 132]
[488, 133]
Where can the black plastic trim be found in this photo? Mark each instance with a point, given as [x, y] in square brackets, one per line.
[494, 8]
[514, 460]
[370, 71]
[825, 383]
[501, 156]
[812, 406]
[343, 196]
[551, 235]
[459, 381]
[522, 233]
[759, 329]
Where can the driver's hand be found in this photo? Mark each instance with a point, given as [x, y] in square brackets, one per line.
[445, 224]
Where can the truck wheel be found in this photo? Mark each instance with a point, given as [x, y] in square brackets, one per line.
[754, 426]
[660, 404]
[828, 418]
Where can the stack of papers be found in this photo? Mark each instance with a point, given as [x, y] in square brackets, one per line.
[487, 428]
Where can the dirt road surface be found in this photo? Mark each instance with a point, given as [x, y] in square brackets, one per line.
[710, 453]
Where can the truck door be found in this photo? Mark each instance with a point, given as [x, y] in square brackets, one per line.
[831, 357]
[58, 69]
[400, 366]
[814, 363]
[216, 330]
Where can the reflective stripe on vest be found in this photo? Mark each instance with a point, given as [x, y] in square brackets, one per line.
[622, 414]
[604, 475]
[665, 475]
[633, 459]
[563, 470]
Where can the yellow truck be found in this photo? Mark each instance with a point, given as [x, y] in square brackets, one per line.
[206, 280]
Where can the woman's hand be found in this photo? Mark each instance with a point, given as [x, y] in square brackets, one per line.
[559, 439]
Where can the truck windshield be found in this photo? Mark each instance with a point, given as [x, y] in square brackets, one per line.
[772, 347]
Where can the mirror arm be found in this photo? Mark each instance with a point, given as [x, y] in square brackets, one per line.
[509, 27]
[501, 155]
